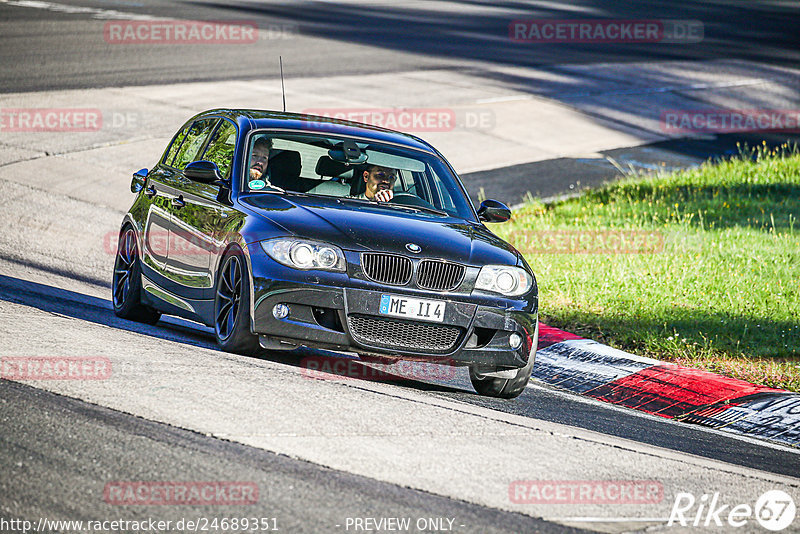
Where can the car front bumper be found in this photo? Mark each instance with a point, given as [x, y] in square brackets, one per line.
[326, 312]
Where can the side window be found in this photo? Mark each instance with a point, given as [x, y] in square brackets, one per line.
[195, 138]
[420, 187]
[176, 143]
[220, 148]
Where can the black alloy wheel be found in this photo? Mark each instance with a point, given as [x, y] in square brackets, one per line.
[127, 281]
[232, 304]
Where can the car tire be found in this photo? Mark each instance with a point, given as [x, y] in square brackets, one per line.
[126, 285]
[506, 388]
[232, 305]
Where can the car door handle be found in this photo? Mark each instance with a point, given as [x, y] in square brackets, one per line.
[178, 202]
[150, 191]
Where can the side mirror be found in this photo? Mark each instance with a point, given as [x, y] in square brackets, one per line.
[139, 178]
[205, 172]
[494, 211]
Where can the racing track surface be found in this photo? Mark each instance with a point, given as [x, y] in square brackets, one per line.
[541, 402]
[320, 448]
[56, 479]
[53, 48]
[436, 436]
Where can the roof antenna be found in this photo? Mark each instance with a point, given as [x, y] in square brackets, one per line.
[283, 90]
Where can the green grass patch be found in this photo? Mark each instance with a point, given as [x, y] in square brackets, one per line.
[718, 285]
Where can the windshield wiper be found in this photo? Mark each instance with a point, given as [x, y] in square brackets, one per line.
[414, 208]
[429, 210]
[275, 187]
[398, 206]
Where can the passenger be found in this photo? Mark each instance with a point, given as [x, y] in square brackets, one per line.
[379, 183]
[259, 158]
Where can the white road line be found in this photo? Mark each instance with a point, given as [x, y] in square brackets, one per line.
[512, 98]
[103, 14]
[610, 519]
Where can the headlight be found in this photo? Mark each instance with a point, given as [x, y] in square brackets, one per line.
[506, 280]
[303, 254]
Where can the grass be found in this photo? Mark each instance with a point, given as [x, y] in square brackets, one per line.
[719, 286]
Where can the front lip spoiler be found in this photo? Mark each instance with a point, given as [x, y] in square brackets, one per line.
[302, 328]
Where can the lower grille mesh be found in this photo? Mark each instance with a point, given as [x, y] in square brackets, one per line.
[397, 334]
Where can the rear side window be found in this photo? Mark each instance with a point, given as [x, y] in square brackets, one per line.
[176, 144]
[220, 148]
[195, 138]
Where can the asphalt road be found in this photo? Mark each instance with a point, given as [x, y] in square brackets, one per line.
[541, 402]
[62, 474]
[51, 46]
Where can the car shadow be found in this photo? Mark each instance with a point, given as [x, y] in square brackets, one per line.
[313, 364]
[96, 310]
[328, 365]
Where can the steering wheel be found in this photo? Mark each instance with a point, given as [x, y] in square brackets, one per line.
[407, 199]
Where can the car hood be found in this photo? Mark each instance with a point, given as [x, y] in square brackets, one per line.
[364, 226]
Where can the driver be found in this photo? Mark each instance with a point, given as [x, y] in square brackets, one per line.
[379, 183]
[259, 158]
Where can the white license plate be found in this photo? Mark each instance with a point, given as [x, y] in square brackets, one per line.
[410, 308]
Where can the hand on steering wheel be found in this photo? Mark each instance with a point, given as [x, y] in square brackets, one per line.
[384, 195]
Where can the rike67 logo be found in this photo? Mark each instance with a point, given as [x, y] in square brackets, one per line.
[774, 510]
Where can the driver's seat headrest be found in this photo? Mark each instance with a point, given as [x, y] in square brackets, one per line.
[327, 166]
[284, 168]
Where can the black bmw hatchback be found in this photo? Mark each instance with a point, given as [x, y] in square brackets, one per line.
[280, 230]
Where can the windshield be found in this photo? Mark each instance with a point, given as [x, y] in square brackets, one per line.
[353, 169]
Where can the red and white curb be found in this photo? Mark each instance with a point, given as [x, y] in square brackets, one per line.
[668, 390]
